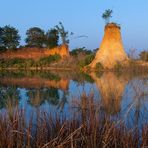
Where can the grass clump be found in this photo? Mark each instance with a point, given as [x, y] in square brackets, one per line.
[45, 61]
[86, 61]
[85, 128]
[28, 63]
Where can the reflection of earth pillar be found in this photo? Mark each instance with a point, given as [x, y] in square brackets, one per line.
[111, 89]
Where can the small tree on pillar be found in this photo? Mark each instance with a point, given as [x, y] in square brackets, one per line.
[107, 15]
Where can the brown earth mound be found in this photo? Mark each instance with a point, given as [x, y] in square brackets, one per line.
[111, 49]
[35, 53]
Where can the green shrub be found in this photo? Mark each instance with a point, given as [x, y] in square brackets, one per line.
[29, 63]
[83, 50]
[144, 55]
[99, 67]
[89, 59]
[81, 63]
[26, 63]
[12, 63]
[48, 60]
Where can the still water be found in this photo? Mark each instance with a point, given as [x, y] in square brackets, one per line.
[123, 96]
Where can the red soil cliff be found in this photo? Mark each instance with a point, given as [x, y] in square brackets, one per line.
[35, 53]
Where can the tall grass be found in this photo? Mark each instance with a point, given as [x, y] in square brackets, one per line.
[86, 127]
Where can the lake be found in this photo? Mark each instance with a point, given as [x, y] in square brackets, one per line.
[122, 96]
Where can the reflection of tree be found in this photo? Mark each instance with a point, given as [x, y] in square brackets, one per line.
[52, 96]
[38, 96]
[63, 100]
[82, 78]
[9, 97]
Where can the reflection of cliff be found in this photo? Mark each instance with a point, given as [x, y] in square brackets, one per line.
[111, 89]
[35, 82]
[35, 53]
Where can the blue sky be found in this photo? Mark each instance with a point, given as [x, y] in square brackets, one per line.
[83, 17]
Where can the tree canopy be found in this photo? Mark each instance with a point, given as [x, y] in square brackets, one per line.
[107, 15]
[35, 37]
[52, 38]
[9, 37]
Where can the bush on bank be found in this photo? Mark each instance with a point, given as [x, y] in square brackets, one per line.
[86, 61]
[144, 56]
[28, 63]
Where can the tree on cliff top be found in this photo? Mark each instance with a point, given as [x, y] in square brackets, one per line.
[9, 37]
[63, 34]
[52, 38]
[35, 37]
[107, 15]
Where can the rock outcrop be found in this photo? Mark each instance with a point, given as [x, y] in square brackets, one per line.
[111, 49]
[35, 53]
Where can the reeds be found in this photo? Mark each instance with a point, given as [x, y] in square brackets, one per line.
[86, 128]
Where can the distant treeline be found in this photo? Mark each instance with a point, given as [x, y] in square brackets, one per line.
[35, 37]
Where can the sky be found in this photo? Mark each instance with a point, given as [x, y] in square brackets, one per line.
[82, 17]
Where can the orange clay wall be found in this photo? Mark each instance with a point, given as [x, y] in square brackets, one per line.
[35, 53]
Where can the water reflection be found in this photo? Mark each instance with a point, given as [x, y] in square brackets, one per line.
[124, 96]
[111, 89]
[38, 96]
[9, 97]
[135, 101]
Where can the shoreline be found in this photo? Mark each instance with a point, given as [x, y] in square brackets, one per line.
[38, 68]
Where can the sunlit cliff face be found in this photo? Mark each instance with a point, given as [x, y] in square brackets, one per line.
[36, 53]
[111, 49]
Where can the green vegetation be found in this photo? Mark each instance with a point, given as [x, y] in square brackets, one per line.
[16, 62]
[144, 56]
[28, 63]
[52, 38]
[86, 61]
[99, 67]
[82, 51]
[107, 15]
[35, 37]
[9, 96]
[46, 61]
[9, 37]
[82, 57]
[30, 74]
